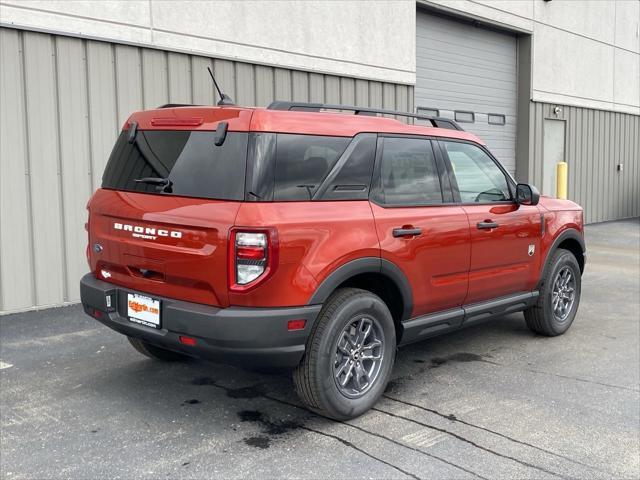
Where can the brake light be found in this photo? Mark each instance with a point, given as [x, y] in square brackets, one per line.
[176, 122]
[252, 257]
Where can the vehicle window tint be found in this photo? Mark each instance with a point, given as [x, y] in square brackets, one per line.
[189, 161]
[261, 167]
[408, 172]
[302, 162]
[479, 179]
[353, 178]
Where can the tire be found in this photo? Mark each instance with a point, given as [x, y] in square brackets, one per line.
[156, 353]
[542, 317]
[349, 314]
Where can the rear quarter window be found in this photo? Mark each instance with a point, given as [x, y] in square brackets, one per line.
[302, 162]
[290, 167]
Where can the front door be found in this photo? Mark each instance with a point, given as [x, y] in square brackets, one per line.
[505, 236]
[427, 240]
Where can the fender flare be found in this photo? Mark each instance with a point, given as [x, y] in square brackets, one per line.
[366, 265]
[570, 233]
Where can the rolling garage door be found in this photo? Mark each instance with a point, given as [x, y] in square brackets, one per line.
[469, 73]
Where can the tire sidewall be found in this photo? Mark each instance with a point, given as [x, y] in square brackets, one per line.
[561, 260]
[337, 404]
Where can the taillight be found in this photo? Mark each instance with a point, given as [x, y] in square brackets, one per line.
[252, 257]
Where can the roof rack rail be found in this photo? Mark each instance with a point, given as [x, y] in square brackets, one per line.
[438, 122]
[173, 105]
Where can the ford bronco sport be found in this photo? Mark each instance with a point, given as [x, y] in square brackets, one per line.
[319, 238]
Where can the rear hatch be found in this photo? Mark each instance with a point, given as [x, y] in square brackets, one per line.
[161, 220]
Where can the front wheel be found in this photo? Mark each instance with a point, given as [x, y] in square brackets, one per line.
[559, 297]
[349, 355]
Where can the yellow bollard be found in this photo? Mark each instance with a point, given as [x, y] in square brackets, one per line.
[561, 180]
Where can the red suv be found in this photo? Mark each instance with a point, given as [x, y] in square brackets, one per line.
[303, 236]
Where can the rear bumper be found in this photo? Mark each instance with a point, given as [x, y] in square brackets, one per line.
[249, 337]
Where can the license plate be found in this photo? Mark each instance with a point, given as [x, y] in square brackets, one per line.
[143, 310]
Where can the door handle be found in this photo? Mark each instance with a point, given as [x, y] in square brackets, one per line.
[406, 232]
[487, 224]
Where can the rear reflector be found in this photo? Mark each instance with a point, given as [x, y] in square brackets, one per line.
[296, 325]
[251, 253]
[187, 340]
[176, 122]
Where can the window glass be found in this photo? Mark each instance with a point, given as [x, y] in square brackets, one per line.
[479, 179]
[353, 179]
[302, 162]
[188, 162]
[408, 172]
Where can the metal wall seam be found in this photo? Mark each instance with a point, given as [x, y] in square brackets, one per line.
[32, 263]
[58, 123]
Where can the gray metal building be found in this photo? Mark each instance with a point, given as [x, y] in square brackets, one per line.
[532, 78]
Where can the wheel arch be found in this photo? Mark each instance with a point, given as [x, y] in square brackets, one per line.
[571, 240]
[380, 276]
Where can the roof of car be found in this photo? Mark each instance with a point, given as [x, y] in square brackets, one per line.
[254, 119]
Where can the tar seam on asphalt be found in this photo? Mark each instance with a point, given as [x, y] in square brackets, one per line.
[351, 445]
[210, 382]
[502, 435]
[472, 443]
[577, 379]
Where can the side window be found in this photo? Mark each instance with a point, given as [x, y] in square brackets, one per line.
[302, 162]
[408, 172]
[351, 176]
[479, 179]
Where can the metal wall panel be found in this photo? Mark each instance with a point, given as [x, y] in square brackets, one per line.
[40, 66]
[16, 253]
[597, 142]
[63, 101]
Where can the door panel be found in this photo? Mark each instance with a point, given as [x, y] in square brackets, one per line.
[504, 259]
[436, 260]
[427, 240]
[505, 236]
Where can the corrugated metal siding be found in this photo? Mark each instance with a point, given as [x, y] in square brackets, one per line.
[63, 101]
[461, 67]
[596, 142]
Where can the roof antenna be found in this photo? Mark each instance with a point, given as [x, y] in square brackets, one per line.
[224, 98]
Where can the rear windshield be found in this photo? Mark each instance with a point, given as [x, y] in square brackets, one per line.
[185, 163]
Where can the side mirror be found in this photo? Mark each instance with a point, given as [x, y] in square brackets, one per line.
[527, 194]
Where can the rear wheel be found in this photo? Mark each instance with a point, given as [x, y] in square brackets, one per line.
[349, 355]
[156, 353]
[559, 297]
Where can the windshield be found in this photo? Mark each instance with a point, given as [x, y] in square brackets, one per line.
[173, 162]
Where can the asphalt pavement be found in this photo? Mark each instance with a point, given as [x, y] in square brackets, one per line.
[492, 401]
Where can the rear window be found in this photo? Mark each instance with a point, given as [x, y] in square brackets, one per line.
[191, 162]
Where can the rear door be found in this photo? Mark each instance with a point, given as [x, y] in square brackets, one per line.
[161, 220]
[505, 236]
[426, 239]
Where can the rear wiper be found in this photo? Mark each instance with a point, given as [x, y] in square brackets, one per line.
[163, 184]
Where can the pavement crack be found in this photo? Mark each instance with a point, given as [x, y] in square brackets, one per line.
[453, 418]
[210, 382]
[430, 455]
[472, 443]
[355, 447]
[578, 379]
